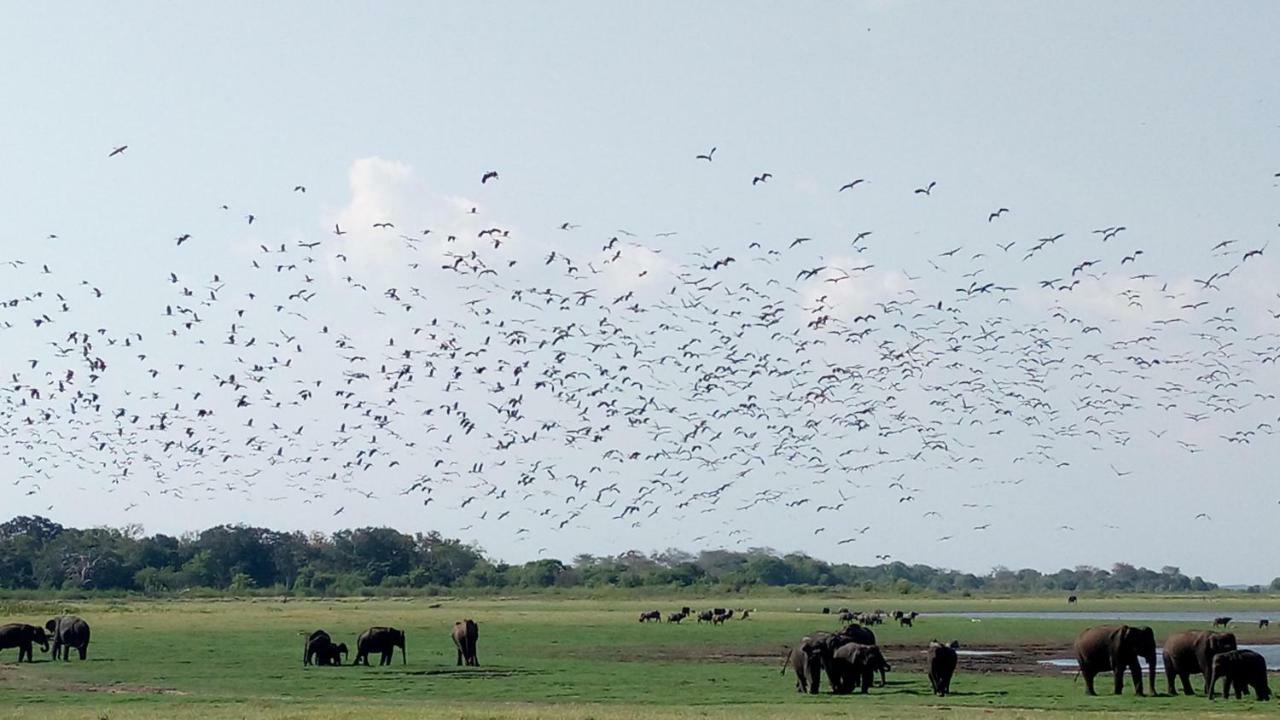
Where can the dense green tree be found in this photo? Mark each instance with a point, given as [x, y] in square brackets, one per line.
[38, 553]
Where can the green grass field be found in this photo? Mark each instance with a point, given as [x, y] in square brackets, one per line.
[545, 657]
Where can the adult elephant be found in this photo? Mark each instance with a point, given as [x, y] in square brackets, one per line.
[854, 665]
[68, 631]
[1192, 651]
[465, 634]
[23, 637]
[321, 650]
[1240, 669]
[382, 640]
[1116, 648]
[942, 665]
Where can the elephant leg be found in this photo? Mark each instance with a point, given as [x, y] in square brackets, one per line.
[84, 651]
[459, 655]
[1136, 671]
[1088, 682]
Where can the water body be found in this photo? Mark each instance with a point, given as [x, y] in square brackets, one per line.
[1270, 652]
[1238, 617]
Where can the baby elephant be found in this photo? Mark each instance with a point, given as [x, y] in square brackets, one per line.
[23, 636]
[942, 665]
[321, 650]
[1240, 669]
[853, 666]
[68, 631]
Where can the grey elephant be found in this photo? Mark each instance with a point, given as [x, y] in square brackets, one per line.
[465, 634]
[23, 637]
[383, 640]
[942, 666]
[1239, 669]
[807, 667]
[68, 631]
[1192, 651]
[321, 650]
[1116, 648]
[854, 665]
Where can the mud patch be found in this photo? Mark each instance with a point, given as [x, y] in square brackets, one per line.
[120, 689]
[1023, 659]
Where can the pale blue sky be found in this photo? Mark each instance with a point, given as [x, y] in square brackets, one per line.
[1163, 117]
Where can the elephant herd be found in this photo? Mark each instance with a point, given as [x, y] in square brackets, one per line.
[1212, 654]
[851, 660]
[65, 632]
[320, 649]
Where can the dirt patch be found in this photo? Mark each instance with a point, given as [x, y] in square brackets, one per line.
[120, 689]
[1023, 659]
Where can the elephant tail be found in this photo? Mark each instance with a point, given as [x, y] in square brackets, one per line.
[786, 659]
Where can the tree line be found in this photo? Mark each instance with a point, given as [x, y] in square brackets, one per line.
[39, 554]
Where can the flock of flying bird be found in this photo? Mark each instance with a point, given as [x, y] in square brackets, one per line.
[582, 380]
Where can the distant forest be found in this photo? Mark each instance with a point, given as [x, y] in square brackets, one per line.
[38, 554]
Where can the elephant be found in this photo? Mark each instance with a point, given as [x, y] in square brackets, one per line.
[651, 615]
[465, 634]
[68, 631]
[382, 640]
[23, 636]
[1192, 651]
[1221, 621]
[823, 645]
[320, 650]
[807, 666]
[1116, 648]
[1240, 669]
[854, 665]
[942, 665]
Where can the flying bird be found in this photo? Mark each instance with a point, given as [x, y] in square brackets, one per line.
[927, 189]
[491, 175]
[707, 156]
[118, 150]
[851, 185]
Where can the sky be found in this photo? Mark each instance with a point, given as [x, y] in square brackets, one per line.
[1160, 117]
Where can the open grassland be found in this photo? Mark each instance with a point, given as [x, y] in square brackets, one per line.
[547, 657]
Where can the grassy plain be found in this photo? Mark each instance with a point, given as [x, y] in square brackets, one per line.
[564, 658]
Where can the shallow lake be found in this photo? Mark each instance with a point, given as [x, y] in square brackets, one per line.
[1239, 617]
